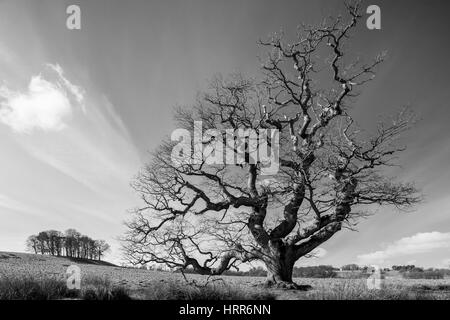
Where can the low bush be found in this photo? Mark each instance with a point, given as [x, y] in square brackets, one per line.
[423, 275]
[314, 272]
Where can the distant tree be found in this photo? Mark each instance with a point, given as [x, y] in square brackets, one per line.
[59, 240]
[54, 242]
[102, 247]
[350, 267]
[71, 236]
[93, 252]
[43, 239]
[257, 272]
[33, 244]
[71, 243]
[84, 246]
[321, 271]
[407, 268]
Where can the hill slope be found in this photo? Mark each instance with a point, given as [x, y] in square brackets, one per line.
[33, 258]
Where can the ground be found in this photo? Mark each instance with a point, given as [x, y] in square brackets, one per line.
[137, 280]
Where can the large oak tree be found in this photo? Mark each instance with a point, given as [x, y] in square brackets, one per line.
[213, 217]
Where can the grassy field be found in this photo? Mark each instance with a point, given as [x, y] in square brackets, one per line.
[43, 277]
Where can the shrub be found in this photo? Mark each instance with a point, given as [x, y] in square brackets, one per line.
[252, 272]
[102, 293]
[314, 272]
[350, 267]
[407, 268]
[423, 275]
[100, 288]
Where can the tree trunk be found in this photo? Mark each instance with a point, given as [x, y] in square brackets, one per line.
[279, 272]
[280, 265]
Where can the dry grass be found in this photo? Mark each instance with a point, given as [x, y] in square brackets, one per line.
[101, 288]
[42, 288]
[44, 277]
[30, 288]
[178, 291]
[355, 290]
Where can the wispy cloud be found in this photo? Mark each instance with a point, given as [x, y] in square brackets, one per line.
[12, 204]
[419, 243]
[9, 203]
[6, 55]
[92, 147]
[77, 91]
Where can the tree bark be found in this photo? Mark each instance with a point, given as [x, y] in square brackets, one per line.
[279, 261]
[279, 272]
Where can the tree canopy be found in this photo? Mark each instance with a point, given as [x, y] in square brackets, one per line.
[71, 243]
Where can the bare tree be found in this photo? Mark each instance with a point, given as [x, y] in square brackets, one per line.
[213, 217]
[32, 244]
[101, 248]
[43, 240]
[55, 242]
[71, 244]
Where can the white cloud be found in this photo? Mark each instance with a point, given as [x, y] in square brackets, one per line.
[319, 253]
[45, 105]
[417, 244]
[445, 263]
[96, 149]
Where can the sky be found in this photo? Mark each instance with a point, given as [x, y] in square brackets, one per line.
[81, 109]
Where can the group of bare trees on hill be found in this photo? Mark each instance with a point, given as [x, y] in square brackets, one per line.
[71, 243]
